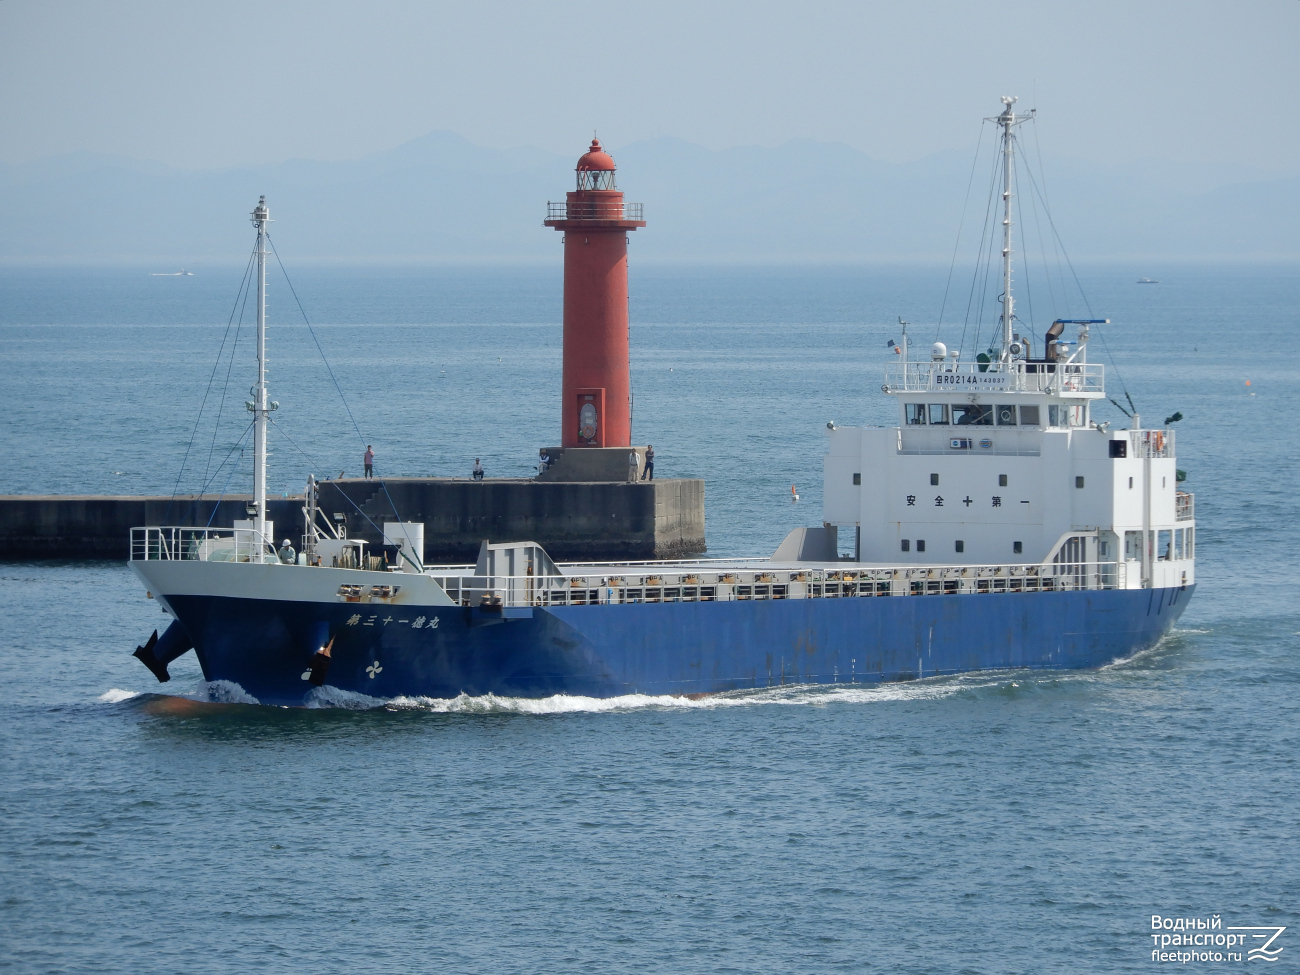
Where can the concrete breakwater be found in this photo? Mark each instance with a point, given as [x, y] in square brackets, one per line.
[574, 521]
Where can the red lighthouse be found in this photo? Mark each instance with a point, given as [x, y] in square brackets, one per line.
[596, 410]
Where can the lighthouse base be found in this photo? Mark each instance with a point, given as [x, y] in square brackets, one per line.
[591, 464]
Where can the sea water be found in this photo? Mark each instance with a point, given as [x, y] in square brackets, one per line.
[1013, 821]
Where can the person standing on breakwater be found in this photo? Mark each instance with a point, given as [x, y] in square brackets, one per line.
[649, 474]
[632, 469]
[369, 461]
[478, 470]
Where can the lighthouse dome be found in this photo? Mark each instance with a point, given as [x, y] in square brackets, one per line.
[596, 158]
[596, 169]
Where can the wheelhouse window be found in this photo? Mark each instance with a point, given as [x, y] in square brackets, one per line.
[1029, 416]
[1066, 416]
[972, 415]
[916, 414]
[938, 413]
[1006, 416]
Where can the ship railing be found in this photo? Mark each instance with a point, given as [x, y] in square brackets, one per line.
[595, 210]
[180, 543]
[668, 564]
[1184, 506]
[1151, 443]
[722, 585]
[1082, 378]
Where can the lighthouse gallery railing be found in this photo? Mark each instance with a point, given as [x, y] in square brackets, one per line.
[595, 210]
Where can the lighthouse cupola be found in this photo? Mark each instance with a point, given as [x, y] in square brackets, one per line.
[596, 169]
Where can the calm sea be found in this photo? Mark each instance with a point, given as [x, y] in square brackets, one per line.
[1006, 822]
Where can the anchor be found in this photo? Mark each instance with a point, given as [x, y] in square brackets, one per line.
[320, 664]
[157, 652]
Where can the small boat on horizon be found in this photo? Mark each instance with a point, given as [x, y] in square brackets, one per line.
[182, 273]
[1147, 281]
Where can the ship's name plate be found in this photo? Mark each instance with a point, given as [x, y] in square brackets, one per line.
[979, 380]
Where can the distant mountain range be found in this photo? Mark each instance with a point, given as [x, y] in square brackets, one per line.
[441, 198]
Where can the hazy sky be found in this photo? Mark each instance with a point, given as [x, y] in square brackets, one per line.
[233, 82]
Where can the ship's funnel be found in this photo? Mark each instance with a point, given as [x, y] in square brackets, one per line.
[1053, 333]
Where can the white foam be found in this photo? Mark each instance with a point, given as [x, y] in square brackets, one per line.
[116, 695]
[221, 692]
[790, 694]
[1142, 656]
[335, 697]
[799, 695]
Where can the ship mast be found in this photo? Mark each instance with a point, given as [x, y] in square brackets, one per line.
[1007, 120]
[261, 413]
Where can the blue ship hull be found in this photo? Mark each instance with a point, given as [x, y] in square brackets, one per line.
[266, 646]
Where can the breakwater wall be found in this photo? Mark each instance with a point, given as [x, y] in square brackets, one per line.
[574, 521]
[99, 526]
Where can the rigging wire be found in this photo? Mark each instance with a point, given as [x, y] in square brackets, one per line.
[1082, 294]
[243, 307]
[203, 405]
[314, 338]
[343, 494]
[238, 445]
[965, 205]
[1042, 250]
[355, 426]
[979, 258]
[1056, 250]
[1024, 265]
[233, 468]
[993, 247]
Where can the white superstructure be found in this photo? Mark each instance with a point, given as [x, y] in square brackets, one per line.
[999, 459]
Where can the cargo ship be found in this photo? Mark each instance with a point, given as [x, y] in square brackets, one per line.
[996, 526]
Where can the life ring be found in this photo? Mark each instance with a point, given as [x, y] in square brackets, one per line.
[1160, 441]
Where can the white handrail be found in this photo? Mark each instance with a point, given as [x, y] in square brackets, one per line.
[720, 584]
[1016, 376]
